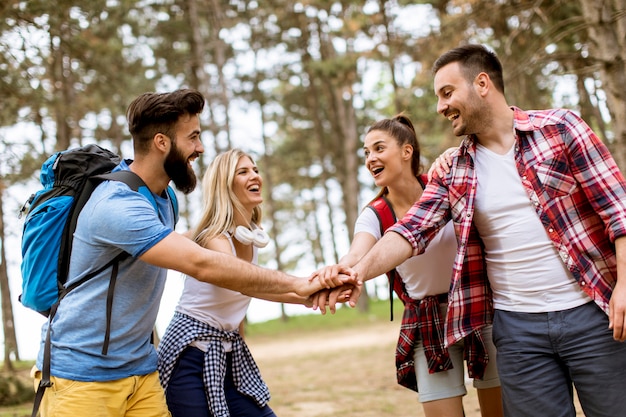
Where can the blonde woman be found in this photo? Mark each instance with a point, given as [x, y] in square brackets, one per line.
[204, 363]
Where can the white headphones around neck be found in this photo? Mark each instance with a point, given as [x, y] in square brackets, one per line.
[257, 237]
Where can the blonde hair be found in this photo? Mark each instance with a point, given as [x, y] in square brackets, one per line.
[220, 201]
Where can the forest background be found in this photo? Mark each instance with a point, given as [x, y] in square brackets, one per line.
[295, 83]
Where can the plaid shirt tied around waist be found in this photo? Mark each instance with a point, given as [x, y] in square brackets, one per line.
[182, 331]
[422, 320]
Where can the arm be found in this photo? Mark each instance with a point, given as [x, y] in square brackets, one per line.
[361, 243]
[617, 304]
[389, 252]
[221, 244]
[287, 297]
[181, 254]
[597, 173]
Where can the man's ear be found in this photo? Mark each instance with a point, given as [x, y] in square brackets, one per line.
[162, 142]
[482, 83]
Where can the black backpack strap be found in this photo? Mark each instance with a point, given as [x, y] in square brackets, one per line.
[126, 176]
[114, 263]
[386, 218]
[45, 371]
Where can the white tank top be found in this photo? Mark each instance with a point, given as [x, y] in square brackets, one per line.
[216, 306]
[426, 274]
[525, 271]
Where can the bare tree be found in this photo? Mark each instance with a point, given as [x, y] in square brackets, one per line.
[8, 321]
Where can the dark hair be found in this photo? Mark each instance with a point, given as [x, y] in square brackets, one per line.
[473, 60]
[401, 129]
[153, 113]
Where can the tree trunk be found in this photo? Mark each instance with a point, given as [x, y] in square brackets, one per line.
[8, 322]
[606, 26]
[219, 50]
[268, 181]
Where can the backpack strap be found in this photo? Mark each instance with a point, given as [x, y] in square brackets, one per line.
[387, 218]
[135, 183]
[174, 200]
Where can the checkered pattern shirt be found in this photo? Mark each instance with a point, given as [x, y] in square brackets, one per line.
[577, 191]
[182, 331]
[422, 320]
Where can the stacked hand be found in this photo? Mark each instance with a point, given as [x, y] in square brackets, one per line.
[338, 288]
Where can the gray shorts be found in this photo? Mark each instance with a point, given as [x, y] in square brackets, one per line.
[451, 383]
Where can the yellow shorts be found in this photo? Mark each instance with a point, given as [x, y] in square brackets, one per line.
[135, 396]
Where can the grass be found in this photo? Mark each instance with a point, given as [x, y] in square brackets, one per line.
[22, 369]
[311, 323]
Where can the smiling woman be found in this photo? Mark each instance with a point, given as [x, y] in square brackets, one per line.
[203, 346]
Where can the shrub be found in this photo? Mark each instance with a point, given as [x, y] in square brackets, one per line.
[14, 391]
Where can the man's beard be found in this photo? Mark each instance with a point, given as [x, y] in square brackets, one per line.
[181, 173]
[476, 116]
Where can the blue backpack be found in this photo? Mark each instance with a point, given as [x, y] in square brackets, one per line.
[68, 179]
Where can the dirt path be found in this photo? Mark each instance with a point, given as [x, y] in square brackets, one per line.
[349, 373]
[380, 334]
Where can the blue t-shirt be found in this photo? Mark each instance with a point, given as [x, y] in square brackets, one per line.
[114, 219]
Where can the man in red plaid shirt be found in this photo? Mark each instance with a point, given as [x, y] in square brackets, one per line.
[539, 209]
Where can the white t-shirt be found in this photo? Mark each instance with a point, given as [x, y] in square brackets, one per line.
[426, 274]
[524, 268]
[218, 307]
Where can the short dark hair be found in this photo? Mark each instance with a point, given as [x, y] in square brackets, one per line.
[153, 113]
[473, 60]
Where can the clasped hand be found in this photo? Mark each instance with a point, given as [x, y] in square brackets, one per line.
[337, 287]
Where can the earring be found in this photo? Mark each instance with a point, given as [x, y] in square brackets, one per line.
[257, 237]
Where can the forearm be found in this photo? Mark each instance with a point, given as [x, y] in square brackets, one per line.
[361, 244]
[249, 279]
[181, 254]
[289, 298]
[350, 259]
[389, 252]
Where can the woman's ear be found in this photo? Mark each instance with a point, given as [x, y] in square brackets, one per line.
[407, 151]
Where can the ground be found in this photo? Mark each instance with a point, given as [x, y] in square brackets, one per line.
[349, 373]
[346, 373]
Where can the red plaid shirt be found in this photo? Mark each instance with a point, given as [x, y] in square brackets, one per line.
[578, 193]
[422, 320]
